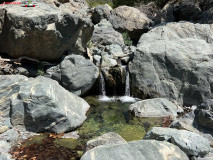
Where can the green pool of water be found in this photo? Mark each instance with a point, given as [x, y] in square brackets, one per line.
[113, 116]
[102, 117]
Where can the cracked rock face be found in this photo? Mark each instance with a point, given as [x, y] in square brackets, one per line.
[175, 61]
[43, 32]
[40, 104]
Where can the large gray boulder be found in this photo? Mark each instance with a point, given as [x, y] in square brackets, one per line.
[131, 20]
[191, 143]
[105, 139]
[43, 32]
[75, 73]
[157, 107]
[104, 34]
[40, 104]
[175, 61]
[136, 150]
[204, 114]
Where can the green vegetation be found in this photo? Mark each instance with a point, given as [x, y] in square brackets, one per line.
[94, 3]
[40, 71]
[116, 3]
[127, 39]
[66, 143]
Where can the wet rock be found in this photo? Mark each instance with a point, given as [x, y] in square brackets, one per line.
[104, 34]
[41, 104]
[157, 107]
[187, 77]
[26, 35]
[136, 150]
[75, 73]
[106, 139]
[101, 12]
[115, 79]
[131, 20]
[191, 143]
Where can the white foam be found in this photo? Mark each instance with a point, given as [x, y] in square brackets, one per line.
[123, 99]
[127, 99]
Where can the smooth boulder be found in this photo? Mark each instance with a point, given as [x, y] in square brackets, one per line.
[130, 20]
[75, 73]
[41, 104]
[191, 143]
[157, 107]
[43, 32]
[136, 150]
[174, 60]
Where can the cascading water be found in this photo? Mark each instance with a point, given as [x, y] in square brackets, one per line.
[102, 85]
[127, 86]
[125, 98]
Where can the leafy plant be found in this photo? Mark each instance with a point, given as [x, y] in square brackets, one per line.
[40, 71]
[127, 40]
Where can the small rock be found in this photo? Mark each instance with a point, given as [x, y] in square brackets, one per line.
[115, 50]
[3, 129]
[108, 62]
[105, 139]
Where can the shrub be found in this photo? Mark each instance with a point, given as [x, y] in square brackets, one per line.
[127, 40]
[94, 3]
[40, 71]
[117, 3]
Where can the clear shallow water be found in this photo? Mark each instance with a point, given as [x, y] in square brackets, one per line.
[110, 114]
[105, 115]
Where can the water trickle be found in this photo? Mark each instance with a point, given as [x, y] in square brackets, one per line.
[102, 85]
[127, 86]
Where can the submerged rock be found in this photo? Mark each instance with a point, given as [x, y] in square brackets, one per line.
[75, 73]
[191, 143]
[43, 32]
[157, 107]
[41, 104]
[105, 139]
[136, 150]
[175, 61]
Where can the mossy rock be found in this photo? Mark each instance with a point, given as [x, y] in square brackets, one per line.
[35, 139]
[66, 143]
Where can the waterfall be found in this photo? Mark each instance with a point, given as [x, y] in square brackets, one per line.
[127, 87]
[102, 85]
